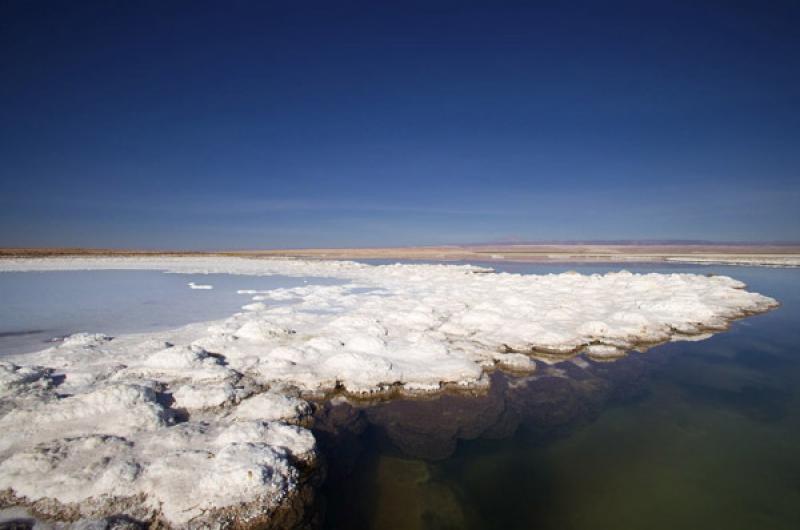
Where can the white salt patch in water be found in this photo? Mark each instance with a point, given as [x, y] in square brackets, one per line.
[193, 285]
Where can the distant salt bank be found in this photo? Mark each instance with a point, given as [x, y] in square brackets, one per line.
[204, 425]
[751, 261]
[751, 255]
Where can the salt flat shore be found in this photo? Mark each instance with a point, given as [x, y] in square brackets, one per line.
[748, 255]
[205, 426]
[753, 255]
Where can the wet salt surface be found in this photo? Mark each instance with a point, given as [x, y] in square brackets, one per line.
[40, 306]
[687, 435]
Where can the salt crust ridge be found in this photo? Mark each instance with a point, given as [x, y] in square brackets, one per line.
[99, 424]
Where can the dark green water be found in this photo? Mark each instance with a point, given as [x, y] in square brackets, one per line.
[687, 435]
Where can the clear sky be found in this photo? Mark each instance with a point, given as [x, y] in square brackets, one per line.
[173, 124]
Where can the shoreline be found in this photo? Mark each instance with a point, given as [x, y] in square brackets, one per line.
[744, 255]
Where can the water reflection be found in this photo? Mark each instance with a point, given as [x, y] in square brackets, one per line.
[686, 435]
[398, 440]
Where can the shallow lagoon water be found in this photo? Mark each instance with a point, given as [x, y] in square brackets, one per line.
[687, 435]
[38, 307]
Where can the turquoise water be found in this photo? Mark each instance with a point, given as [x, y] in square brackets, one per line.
[687, 435]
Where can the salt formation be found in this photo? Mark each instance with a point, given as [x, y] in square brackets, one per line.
[203, 425]
[751, 261]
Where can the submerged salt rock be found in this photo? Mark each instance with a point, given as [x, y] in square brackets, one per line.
[516, 362]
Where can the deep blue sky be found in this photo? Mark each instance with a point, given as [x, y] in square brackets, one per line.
[279, 124]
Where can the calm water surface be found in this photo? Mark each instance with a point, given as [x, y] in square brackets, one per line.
[686, 435]
[36, 307]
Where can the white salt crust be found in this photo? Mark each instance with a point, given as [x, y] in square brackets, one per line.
[751, 261]
[95, 418]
